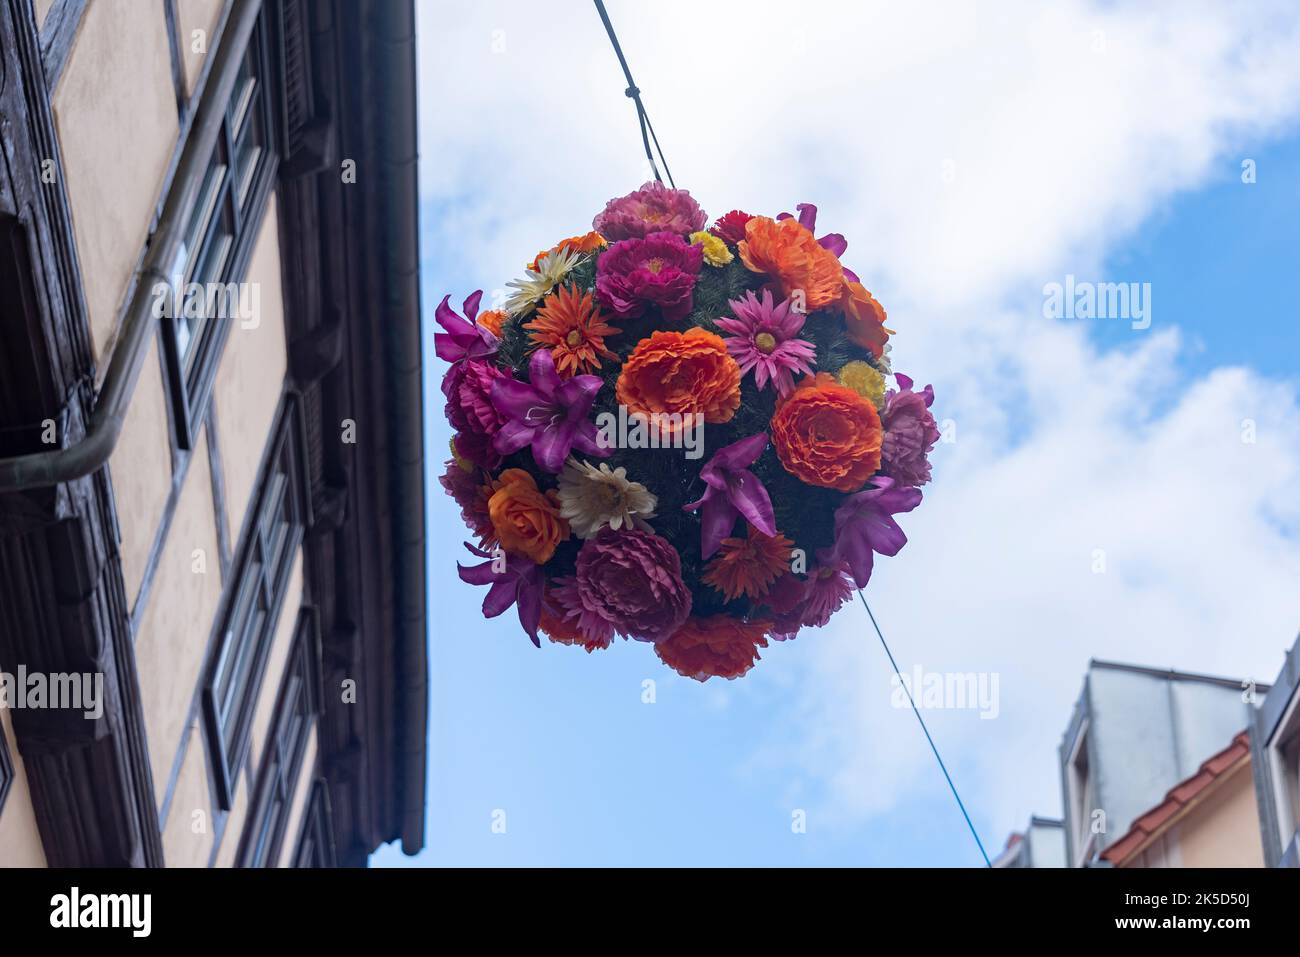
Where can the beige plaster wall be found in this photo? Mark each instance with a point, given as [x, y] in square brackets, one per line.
[20, 839]
[192, 16]
[142, 472]
[174, 630]
[1223, 830]
[188, 832]
[234, 823]
[251, 374]
[115, 111]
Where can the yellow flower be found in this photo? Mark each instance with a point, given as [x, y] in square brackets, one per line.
[865, 380]
[716, 252]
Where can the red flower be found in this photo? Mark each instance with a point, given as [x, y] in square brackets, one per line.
[731, 227]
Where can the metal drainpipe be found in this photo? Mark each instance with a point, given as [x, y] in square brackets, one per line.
[42, 469]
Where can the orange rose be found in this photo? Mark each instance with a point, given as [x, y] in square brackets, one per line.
[587, 243]
[826, 434]
[720, 646]
[789, 255]
[526, 520]
[681, 372]
[864, 318]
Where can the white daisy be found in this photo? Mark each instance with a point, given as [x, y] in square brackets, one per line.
[551, 268]
[591, 498]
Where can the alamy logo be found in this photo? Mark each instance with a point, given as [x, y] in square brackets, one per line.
[658, 430]
[948, 690]
[132, 911]
[37, 690]
[1098, 300]
[209, 300]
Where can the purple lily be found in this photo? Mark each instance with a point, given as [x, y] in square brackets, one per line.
[464, 338]
[521, 584]
[547, 412]
[864, 525]
[835, 242]
[733, 490]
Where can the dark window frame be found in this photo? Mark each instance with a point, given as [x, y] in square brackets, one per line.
[229, 209]
[315, 847]
[253, 598]
[298, 706]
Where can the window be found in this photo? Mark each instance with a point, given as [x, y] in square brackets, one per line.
[1080, 799]
[316, 843]
[296, 707]
[6, 771]
[260, 576]
[1284, 761]
[219, 237]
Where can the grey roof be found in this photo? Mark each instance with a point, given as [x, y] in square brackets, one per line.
[1041, 845]
[1147, 729]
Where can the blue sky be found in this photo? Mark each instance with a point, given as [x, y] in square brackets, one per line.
[1073, 437]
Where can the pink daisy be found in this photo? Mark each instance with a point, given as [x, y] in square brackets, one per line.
[763, 339]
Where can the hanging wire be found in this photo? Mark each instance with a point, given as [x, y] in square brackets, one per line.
[647, 135]
[969, 823]
[634, 93]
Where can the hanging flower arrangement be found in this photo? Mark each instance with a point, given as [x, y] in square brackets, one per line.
[680, 434]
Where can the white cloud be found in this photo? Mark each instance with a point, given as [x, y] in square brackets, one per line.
[1065, 126]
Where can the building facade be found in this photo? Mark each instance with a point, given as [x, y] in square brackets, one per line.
[211, 464]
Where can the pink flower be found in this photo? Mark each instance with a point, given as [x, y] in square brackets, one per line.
[467, 489]
[651, 209]
[468, 388]
[910, 433]
[630, 581]
[807, 603]
[659, 270]
[763, 339]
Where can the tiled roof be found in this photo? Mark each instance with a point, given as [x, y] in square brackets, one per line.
[1183, 794]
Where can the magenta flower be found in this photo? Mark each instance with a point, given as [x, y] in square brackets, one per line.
[468, 388]
[763, 339]
[732, 491]
[477, 447]
[910, 433]
[630, 581]
[464, 338]
[864, 524]
[520, 583]
[835, 242]
[807, 603]
[567, 599]
[546, 412]
[651, 209]
[659, 270]
[465, 488]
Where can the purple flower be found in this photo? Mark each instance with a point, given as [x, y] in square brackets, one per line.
[864, 525]
[732, 491]
[546, 412]
[464, 338]
[832, 241]
[630, 581]
[807, 603]
[520, 583]
[910, 433]
[651, 209]
[659, 270]
[763, 339]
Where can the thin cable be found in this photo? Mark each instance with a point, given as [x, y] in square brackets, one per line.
[634, 93]
[942, 767]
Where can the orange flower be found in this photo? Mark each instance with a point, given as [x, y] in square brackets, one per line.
[681, 372]
[563, 632]
[719, 646]
[827, 434]
[527, 521]
[790, 256]
[491, 320]
[571, 325]
[748, 566]
[864, 318]
[587, 243]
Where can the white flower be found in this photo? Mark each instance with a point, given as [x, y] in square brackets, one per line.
[551, 268]
[591, 498]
